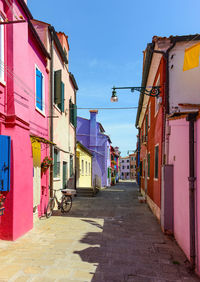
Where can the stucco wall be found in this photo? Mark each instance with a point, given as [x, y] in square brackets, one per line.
[85, 178]
[181, 90]
[179, 157]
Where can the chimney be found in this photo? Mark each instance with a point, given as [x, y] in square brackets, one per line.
[93, 128]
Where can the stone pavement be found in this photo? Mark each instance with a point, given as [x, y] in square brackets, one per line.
[111, 237]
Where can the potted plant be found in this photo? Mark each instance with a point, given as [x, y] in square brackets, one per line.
[2, 200]
[46, 163]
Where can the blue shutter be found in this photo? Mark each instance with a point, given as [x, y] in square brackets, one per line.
[5, 148]
[39, 86]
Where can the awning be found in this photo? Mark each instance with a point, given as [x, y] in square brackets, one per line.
[41, 140]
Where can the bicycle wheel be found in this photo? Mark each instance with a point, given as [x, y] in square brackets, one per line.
[66, 204]
[50, 207]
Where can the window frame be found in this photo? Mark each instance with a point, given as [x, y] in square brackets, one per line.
[82, 167]
[58, 175]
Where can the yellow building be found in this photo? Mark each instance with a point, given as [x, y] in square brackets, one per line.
[84, 166]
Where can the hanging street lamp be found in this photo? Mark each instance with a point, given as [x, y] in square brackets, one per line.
[153, 91]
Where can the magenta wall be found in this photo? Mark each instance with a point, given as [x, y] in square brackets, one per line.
[19, 119]
[179, 157]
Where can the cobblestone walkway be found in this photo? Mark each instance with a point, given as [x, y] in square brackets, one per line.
[111, 237]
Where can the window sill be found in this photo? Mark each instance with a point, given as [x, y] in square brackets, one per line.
[58, 109]
[40, 112]
[155, 179]
[56, 179]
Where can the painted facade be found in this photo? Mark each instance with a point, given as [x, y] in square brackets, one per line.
[125, 168]
[63, 101]
[132, 158]
[24, 107]
[164, 141]
[114, 164]
[91, 134]
[84, 166]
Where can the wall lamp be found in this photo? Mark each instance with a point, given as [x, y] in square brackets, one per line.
[154, 91]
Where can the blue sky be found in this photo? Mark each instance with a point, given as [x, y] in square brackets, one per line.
[106, 39]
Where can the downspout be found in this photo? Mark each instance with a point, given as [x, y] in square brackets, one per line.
[192, 118]
[75, 162]
[51, 109]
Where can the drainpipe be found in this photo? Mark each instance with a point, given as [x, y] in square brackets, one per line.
[192, 118]
[51, 109]
[75, 162]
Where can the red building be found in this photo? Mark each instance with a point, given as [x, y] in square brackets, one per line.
[114, 164]
[150, 122]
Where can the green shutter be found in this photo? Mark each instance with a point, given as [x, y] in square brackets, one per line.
[62, 108]
[75, 115]
[57, 87]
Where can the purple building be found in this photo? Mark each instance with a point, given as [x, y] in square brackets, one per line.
[92, 135]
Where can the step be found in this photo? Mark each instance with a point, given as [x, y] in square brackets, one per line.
[85, 192]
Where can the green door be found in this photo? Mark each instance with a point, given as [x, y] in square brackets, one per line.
[65, 176]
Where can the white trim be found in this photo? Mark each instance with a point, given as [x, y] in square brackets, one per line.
[43, 92]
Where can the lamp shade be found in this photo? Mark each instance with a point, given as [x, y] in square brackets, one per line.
[114, 97]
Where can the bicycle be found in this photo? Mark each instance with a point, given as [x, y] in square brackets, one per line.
[64, 205]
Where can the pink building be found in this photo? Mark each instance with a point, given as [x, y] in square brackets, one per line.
[24, 110]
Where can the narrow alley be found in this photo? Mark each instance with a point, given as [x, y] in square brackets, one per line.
[110, 237]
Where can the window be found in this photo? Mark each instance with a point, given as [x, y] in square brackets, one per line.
[71, 166]
[73, 113]
[127, 161]
[156, 161]
[132, 166]
[122, 161]
[39, 90]
[131, 158]
[59, 90]
[140, 168]
[148, 159]
[122, 167]
[86, 172]
[82, 167]
[127, 166]
[56, 165]
[2, 50]
[122, 174]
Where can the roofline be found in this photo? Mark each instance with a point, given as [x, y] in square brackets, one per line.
[58, 44]
[148, 59]
[84, 148]
[147, 64]
[38, 39]
[30, 17]
[73, 80]
[25, 8]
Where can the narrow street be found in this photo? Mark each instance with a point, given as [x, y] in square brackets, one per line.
[111, 237]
